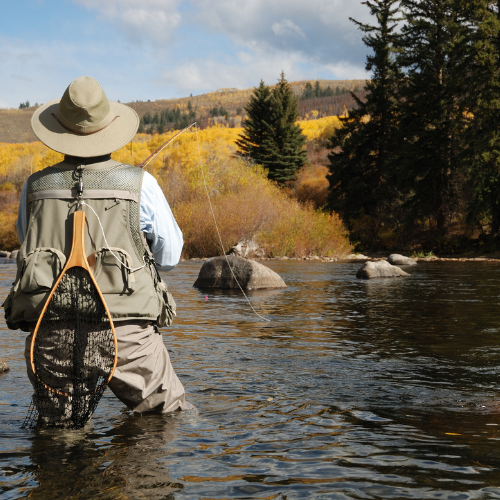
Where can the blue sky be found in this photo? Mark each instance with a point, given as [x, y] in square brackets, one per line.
[158, 49]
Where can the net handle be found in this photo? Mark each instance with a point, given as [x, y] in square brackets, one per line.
[77, 258]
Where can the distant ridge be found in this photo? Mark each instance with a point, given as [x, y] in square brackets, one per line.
[15, 123]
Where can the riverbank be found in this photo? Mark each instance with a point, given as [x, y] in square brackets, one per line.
[316, 258]
[362, 258]
[431, 258]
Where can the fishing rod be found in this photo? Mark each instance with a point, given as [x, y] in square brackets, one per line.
[164, 145]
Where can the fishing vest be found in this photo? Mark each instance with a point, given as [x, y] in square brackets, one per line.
[113, 191]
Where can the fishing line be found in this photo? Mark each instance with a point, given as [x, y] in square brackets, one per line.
[156, 153]
[217, 228]
[107, 244]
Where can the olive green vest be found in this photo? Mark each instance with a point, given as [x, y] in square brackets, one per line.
[113, 191]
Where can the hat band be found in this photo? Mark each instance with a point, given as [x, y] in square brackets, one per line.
[83, 133]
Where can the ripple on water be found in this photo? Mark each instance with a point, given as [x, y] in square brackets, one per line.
[380, 389]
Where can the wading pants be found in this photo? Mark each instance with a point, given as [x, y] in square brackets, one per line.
[144, 378]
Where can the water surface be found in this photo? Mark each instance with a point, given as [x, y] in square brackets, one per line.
[354, 390]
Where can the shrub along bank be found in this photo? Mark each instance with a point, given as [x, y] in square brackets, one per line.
[247, 206]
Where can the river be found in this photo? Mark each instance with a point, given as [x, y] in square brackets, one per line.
[354, 390]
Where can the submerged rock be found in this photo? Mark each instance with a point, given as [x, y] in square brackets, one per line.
[3, 366]
[251, 275]
[380, 269]
[400, 260]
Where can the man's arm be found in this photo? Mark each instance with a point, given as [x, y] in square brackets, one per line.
[157, 221]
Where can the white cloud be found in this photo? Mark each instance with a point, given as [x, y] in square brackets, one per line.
[41, 70]
[245, 70]
[306, 39]
[150, 20]
[29, 70]
[326, 32]
[287, 28]
[319, 29]
[346, 71]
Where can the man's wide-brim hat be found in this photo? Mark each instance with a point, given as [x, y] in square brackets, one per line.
[83, 122]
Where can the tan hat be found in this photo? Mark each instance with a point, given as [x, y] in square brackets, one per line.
[83, 122]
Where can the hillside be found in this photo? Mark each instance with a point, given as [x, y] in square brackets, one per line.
[15, 123]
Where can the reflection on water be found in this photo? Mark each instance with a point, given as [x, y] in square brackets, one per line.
[89, 463]
[356, 389]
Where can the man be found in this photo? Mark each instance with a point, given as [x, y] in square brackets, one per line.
[126, 209]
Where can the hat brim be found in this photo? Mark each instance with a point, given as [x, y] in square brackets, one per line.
[116, 135]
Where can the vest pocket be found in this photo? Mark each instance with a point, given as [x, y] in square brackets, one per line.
[40, 269]
[168, 309]
[111, 273]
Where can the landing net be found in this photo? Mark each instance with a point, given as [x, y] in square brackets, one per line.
[73, 355]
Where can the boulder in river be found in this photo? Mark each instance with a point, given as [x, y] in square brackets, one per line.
[357, 256]
[400, 260]
[3, 366]
[251, 275]
[380, 269]
[13, 254]
[248, 249]
[5, 254]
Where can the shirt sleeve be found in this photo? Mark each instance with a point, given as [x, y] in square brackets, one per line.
[157, 221]
[21, 222]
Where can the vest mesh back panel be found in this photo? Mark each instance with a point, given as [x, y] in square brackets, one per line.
[123, 177]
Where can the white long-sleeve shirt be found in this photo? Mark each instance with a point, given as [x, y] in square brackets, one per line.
[156, 220]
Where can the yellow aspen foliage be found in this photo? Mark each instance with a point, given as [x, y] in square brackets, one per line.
[322, 128]
[247, 205]
[8, 234]
[8, 215]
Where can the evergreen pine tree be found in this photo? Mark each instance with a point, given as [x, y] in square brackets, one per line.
[317, 90]
[308, 92]
[435, 52]
[285, 147]
[271, 137]
[484, 132]
[257, 125]
[365, 147]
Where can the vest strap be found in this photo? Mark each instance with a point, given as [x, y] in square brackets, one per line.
[88, 194]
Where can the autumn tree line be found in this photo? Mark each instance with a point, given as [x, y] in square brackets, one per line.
[315, 100]
[310, 91]
[167, 119]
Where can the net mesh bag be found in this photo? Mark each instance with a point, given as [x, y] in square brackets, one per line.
[73, 355]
